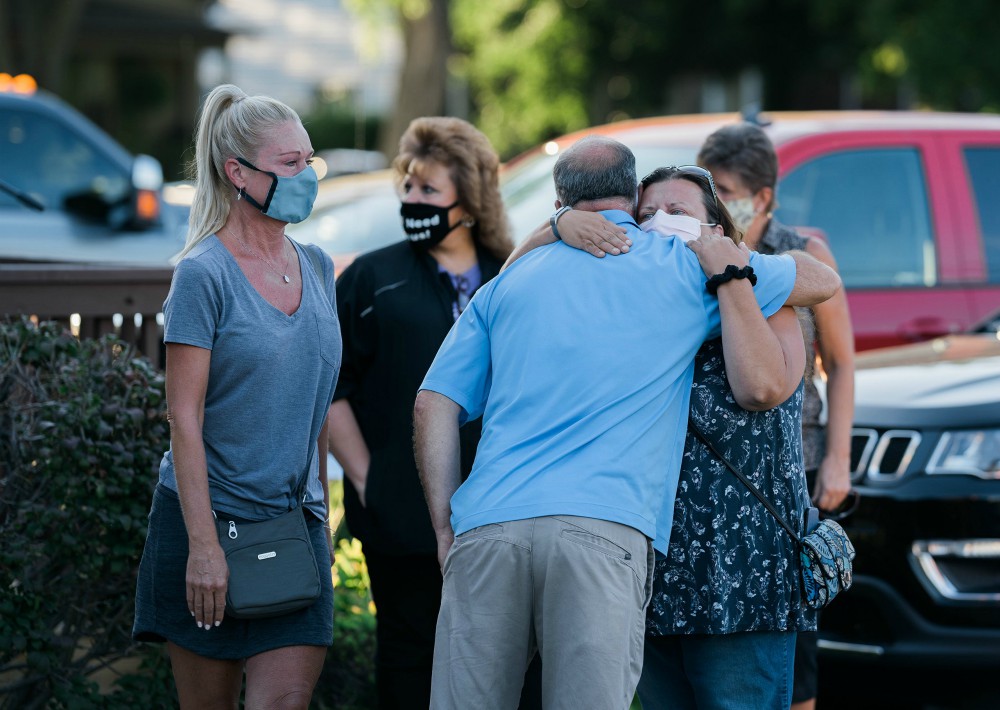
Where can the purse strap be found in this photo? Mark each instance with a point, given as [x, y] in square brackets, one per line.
[317, 266]
[746, 482]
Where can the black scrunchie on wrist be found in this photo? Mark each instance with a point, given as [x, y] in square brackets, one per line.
[732, 272]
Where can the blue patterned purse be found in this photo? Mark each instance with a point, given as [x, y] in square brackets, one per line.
[827, 558]
[826, 554]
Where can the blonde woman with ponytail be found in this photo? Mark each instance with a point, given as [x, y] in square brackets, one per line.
[253, 345]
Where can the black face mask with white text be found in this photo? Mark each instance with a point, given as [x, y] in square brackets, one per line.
[426, 225]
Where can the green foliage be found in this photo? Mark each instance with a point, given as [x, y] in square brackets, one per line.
[335, 125]
[581, 62]
[82, 435]
[535, 92]
[348, 678]
[946, 65]
[374, 9]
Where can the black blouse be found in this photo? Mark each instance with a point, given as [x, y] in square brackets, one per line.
[395, 309]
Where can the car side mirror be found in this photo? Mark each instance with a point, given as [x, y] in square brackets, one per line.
[138, 208]
[147, 182]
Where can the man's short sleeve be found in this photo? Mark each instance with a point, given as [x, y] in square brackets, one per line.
[775, 280]
[461, 370]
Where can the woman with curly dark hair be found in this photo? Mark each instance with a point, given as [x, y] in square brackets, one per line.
[396, 305]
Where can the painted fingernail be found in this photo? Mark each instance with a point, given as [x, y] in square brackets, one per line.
[217, 623]
[199, 624]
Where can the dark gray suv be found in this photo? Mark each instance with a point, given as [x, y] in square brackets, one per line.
[70, 193]
[921, 625]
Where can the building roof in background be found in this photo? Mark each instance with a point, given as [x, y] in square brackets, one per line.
[142, 23]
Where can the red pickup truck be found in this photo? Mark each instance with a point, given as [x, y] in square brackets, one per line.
[908, 202]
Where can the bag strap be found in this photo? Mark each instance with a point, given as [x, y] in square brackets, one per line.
[317, 256]
[746, 482]
[317, 263]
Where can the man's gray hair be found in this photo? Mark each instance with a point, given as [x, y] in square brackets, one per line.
[595, 168]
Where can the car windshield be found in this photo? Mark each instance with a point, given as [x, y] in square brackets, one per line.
[46, 160]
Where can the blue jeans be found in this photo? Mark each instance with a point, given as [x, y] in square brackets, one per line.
[742, 671]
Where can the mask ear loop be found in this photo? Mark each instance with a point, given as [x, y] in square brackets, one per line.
[270, 193]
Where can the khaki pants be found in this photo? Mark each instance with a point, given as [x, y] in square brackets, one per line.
[573, 589]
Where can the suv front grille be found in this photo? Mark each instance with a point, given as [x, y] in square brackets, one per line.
[882, 457]
[959, 570]
[862, 445]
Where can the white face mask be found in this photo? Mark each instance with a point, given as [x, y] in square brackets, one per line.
[742, 212]
[680, 225]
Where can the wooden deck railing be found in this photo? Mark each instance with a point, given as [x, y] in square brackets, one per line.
[126, 301]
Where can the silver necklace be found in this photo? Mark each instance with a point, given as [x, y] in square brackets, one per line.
[283, 273]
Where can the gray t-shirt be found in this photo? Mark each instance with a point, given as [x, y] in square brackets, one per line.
[270, 381]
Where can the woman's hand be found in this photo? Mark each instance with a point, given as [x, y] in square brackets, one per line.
[592, 233]
[833, 483]
[207, 580]
[716, 252]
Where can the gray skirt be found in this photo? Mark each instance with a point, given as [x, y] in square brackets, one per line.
[161, 612]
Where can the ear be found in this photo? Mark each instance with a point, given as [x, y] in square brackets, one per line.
[639, 189]
[558, 204]
[234, 171]
[762, 200]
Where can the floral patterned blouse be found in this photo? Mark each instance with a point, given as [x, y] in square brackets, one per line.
[730, 566]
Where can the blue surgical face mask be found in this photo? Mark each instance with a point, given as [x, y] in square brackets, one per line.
[290, 199]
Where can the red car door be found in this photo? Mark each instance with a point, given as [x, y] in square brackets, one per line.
[881, 199]
[973, 167]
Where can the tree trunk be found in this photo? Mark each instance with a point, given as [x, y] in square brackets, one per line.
[422, 82]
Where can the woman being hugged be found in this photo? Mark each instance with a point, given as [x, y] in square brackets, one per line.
[727, 601]
[726, 604]
[745, 165]
[252, 345]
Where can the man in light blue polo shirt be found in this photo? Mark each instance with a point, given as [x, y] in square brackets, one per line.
[581, 369]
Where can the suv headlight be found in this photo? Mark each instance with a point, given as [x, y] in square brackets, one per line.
[975, 452]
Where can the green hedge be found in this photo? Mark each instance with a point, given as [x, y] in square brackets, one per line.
[82, 432]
